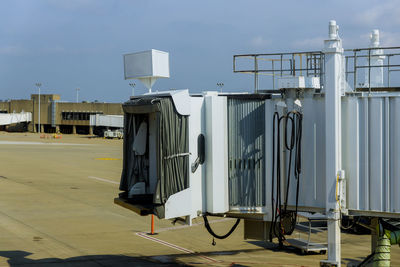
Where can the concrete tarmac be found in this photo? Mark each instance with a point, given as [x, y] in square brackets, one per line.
[56, 209]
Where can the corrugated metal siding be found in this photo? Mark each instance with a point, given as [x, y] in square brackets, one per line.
[312, 182]
[246, 152]
[371, 152]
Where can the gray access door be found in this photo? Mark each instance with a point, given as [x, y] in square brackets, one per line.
[246, 130]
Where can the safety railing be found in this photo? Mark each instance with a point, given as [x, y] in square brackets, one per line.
[377, 65]
[309, 64]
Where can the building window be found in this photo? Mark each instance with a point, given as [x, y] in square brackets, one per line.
[77, 116]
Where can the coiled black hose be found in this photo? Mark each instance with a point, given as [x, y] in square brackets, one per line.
[208, 227]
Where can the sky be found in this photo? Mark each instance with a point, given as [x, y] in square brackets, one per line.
[69, 44]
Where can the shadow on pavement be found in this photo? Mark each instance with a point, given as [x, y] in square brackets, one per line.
[19, 258]
[275, 248]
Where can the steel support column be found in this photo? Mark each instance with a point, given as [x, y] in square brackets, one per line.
[333, 69]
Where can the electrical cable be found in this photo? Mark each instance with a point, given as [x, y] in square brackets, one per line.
[275, 117]
[352, 222]
[276, 205]
[293, 145]
[208, 227]
[290, 148]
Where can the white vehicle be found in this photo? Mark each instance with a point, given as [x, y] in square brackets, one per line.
[119, 134]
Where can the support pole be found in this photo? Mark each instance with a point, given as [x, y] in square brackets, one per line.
[374, 233]
[152, 224]
[333, 69]
[39, 111]
[255, 75]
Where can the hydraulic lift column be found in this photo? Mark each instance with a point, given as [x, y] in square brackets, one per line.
[333, 74]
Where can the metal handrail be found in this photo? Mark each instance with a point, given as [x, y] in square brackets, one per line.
[313, 65]
[359, 53]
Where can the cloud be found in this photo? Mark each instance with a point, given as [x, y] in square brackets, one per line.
[73, 4]
[389, 38]
[310, 43]
[259, 41]
[384, 12]
[361, 41]
[11, 50]
[55, 49]
[356, 40]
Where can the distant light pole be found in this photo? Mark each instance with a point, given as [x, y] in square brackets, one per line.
[133, 88]
[38, 85]
[220, 85]
[77, 95]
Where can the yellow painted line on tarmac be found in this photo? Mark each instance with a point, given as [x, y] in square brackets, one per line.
[106, 159]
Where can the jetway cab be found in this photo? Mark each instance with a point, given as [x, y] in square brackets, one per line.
[176, 151]
[156, 155]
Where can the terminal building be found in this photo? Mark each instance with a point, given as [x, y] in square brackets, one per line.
[57, 116]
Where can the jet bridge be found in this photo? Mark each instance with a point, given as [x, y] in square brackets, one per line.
[13, 118]
[323, 139]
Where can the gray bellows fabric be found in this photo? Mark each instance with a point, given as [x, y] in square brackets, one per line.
[173, 148]
[134, 169]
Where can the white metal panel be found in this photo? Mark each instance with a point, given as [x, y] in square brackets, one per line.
[312, 177]
[291, 82]
[298, 82]
[146, 64]
[320, 162]
[160, 61]
[312, 187]
[364, 155]
[216, 162]
[376, 153]
[182, 101]
[351, 156]
[179, 204]
[180, 98]
[197, 179]
[386, 158]
[394, 154]
[371, 152]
